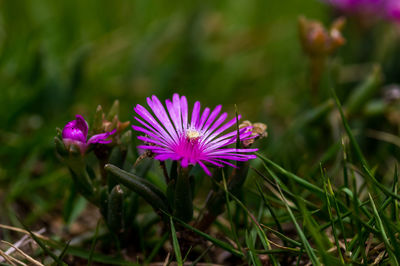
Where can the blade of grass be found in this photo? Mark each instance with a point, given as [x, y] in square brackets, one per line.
[392, 235]
[322, 243]
[43, 246]
[282, 236]
[279, 251]
[282, 185]
[194, 263]
[94, 242]
[389, 249]
[306, 184]
[271, 211]
[361, 247]
[260, 232]
[328, 194]
[297, 179]
[359, 153]
[187, 254]
[395, 207]
[64, 251]
[217, 242]
[157, 247]
[339, 215]
[251, 252]
[175, 243]
[74, 251]
[313, 257]
[26, 256]
[228, 209]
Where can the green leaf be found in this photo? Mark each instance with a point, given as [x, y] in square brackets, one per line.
[94, 242]
[114, 110]
[144, 188]
[115, 210]
[389, 249]
[183, 200]
[313, 257]
[98, 119]
[297, 179]
[233, 228]
[175, 243]
[217, 242]
[251, 252]
[156, 248]
[43, 246]
[328, 194]
[365, 91]
[359, 154]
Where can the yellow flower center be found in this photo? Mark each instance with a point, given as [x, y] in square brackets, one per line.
[192, 134]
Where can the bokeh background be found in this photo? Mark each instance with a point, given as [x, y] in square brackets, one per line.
[61, 58]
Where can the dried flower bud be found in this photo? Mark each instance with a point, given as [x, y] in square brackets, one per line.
[368, 11]
[259, 131]
[391, 93]
[75, 132]
[317, 41]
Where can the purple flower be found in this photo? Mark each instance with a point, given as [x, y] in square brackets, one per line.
[358, 6]
[367, 9]
[393, 10]
[75, 132]
[170, 134]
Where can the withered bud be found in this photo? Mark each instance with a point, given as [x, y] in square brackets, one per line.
[146, 153]
[115, 124]
[259, 131]
[391, 93]
[318, 41]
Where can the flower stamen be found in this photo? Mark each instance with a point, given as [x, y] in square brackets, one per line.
[192, 134]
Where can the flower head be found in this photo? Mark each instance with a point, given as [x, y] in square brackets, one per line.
[202, 140]
[393, 10]
[75, 132]
[317, 41]
[357, 6]
[368, 9]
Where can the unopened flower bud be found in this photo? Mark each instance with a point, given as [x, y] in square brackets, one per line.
[75, 132]
[258, 131]
[318, 41]
[391, 93]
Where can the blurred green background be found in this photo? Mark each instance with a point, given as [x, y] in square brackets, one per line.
[61, 58]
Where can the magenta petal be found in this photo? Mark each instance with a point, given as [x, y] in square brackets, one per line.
[214, 163]
[150, 140]
[203, 118]
[140, 110]
[166, 156]
[195, 114]
[76, 129]
[223, 128]
[101, 138]
[212, 117]
[185, 162]
[173, 113]
[197, 141]
[159, 111]
[184, 110]
[177, 110]
[205, 168]
[81, 145]
[150, 134]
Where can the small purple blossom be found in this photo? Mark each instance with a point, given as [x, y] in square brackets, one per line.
[76, 131]
[382, 9]
[170, 134]
[358, 6]
[393, 10]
